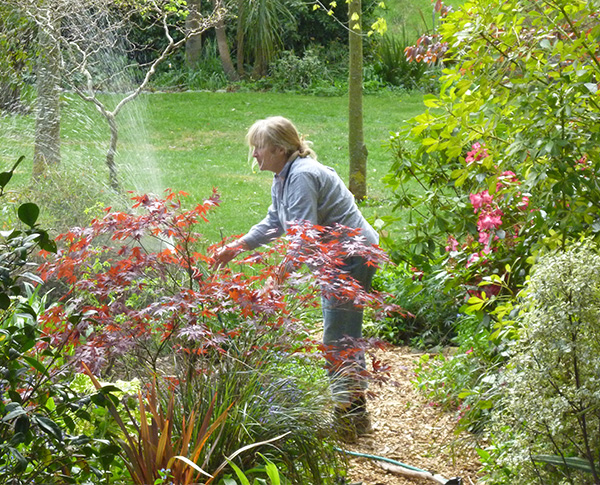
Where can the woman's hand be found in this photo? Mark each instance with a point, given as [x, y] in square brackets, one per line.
[226, 253]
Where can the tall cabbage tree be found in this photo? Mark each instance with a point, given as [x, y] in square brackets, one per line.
[260, 25]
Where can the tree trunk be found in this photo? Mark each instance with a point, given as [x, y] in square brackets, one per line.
[240, 34]
[112, 150]
[47, 125]
[193, 46]
[224, 53]
[10, 97]
[356, 146]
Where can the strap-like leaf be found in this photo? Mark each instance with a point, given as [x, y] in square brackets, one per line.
[241, 450]
[569, 461]
[240, 474]
[190, 463]
[271, 470]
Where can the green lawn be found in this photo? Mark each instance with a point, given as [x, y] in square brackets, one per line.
[194, 141]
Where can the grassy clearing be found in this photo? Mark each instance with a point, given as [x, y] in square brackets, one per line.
[194, 141]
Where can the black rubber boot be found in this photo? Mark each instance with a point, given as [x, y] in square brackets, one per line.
[353, 420]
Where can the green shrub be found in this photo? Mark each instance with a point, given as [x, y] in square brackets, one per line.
[292, 73]
[392, 66]
[39, 442]
[209, 75]
[464, 380]
[546, 429]
[502, 167]
[431, 312]
[72, 201]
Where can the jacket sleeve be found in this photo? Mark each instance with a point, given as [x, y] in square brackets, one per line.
[265, 231]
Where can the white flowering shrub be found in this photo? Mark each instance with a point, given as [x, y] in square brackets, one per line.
[547, 428]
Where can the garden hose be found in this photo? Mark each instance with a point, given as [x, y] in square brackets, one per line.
[423, 473]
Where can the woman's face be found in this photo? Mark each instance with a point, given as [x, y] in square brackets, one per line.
[270, 158]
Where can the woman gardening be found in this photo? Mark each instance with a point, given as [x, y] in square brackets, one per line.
[305, 190]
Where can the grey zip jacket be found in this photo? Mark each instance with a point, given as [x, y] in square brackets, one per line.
[306, 190]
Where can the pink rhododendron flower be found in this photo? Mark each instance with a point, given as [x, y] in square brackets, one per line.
[509, 176]
[452, 244]
[475, 201]
[486, 198]
[582, 163]
[481, 199]
[477, 153]
[490, 220]
[484, 238]
[486, 250]
[472, 259]
[524, 203]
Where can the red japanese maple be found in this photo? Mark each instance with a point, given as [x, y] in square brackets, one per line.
[140, 279]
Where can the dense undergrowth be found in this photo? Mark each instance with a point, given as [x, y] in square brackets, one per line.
[506, 170]
[229, 379]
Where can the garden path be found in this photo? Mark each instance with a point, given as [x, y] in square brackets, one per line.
[408, 429]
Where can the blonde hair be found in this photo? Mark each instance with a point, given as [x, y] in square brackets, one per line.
[277, 131]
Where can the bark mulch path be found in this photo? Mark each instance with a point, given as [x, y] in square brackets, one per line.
[408, 429]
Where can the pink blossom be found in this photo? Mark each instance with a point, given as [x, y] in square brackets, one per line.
[469, 351]
[472, 259]
[486, 250]
[509, 176]
[477, 153]
[524, 203]
[452, 244]
[490, 220]
[480, 200]
[582, 163]
[475, 201]
[484, 238]
[486, 198]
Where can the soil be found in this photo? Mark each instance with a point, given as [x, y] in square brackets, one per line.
[409, 429]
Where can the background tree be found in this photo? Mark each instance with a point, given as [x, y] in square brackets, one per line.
[193, 46]
[223, 46]
[260, 27]
[48, 76]
[357, 149]
[98, 51]
[16, 39]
